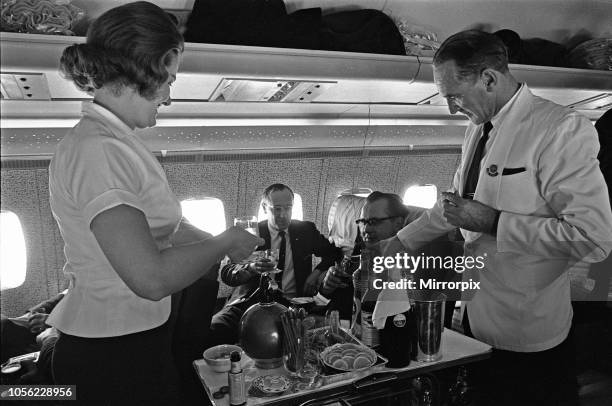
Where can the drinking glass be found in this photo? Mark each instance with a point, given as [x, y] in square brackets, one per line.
[308, 373]
[248, 223]
[272, 254]
[293, 354]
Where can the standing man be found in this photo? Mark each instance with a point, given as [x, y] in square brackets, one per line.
[297, 241]
[529, 197]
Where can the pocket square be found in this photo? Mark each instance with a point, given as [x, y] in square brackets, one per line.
[512, 171]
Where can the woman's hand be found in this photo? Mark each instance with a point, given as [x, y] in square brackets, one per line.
[241, 243]
[152, 273]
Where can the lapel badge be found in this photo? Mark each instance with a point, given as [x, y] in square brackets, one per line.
[492, 170]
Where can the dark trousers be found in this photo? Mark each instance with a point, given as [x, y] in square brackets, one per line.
[543, 378]
[225, 324]
[16, 339]
[133, 369]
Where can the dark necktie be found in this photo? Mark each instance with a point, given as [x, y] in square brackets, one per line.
[281, 258]
[472, 178]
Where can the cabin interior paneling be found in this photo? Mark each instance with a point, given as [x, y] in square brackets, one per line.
[236, 179]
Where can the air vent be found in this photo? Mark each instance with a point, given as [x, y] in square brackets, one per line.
[24, 86]
[261, 90]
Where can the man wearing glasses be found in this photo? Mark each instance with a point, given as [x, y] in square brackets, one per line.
[383, 216]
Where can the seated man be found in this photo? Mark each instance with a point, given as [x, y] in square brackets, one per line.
[29, 333]
[383, 215]
[19, 334]
[297, 242]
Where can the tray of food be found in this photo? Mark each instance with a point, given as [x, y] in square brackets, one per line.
[341, 355]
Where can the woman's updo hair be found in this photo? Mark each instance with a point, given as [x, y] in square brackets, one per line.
[130, 45]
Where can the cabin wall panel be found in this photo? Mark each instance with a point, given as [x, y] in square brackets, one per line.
[21, 195]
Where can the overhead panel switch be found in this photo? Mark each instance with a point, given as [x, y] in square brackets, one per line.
[24, 86]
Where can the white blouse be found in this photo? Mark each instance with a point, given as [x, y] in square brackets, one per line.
[100, 164]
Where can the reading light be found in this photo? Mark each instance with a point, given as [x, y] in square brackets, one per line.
[358, 191]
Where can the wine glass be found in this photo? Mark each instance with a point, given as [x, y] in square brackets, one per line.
[248, 223]
[272, 255]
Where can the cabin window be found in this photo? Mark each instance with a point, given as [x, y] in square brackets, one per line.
[207, 214]
[13, 260]
[296, 214]
[421, 196]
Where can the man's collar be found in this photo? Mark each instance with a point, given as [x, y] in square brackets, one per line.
[503, 112]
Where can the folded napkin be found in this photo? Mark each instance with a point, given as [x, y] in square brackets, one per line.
[321, 300]
[390, 302]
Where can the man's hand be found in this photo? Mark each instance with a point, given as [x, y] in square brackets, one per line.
[312, 282]
[36, 322]
[244, 274]
[261, 265]
[469, 214]
[333, 280]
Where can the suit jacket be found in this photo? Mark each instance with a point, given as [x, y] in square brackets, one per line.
[305, 241]
[541, 172]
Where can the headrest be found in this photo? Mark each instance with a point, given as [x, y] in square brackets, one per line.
[341, 220]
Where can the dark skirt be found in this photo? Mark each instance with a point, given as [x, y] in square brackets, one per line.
[134, 369]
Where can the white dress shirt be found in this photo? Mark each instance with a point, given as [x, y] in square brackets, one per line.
[289, 288]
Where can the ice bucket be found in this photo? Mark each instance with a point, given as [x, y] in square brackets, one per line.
[428, 311]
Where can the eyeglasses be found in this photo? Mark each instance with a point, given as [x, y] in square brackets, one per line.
[374, 221]
[280, 209]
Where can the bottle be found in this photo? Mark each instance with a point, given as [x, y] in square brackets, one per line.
[343, 297]
[235, 380]
[369, 333]
[332, 335]
[357, 293]
[396, 339]
[260, 328]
